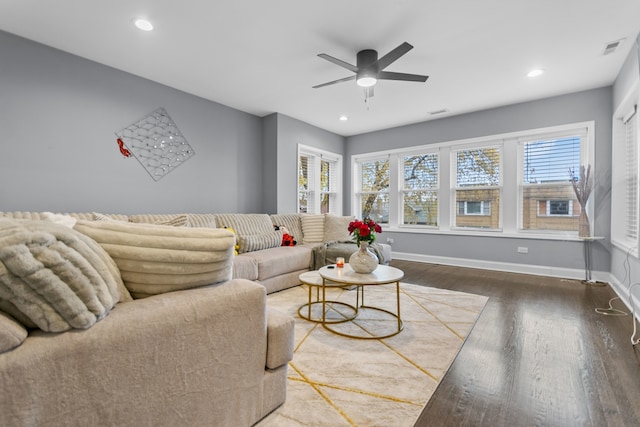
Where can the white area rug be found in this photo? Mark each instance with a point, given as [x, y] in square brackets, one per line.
[338, 381]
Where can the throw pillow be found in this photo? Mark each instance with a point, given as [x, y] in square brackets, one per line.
[257, 242]
[312, 228]
[12, 333]
[53, 277]
[155, 259]
[336, 228]
[292, 222]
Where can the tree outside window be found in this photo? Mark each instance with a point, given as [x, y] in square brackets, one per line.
[374, 194]
[420, 192]
[478, 187]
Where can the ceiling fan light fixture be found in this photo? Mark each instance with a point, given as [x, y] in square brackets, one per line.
[366, 78]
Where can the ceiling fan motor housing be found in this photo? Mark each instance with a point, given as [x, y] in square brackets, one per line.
[366, 60]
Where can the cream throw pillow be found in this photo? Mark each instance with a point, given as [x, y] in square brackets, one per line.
[336, 228]
[312, 228]
[155, 259]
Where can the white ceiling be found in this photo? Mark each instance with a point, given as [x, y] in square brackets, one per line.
[260, 56]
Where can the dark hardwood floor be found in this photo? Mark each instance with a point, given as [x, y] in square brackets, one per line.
[539, 354]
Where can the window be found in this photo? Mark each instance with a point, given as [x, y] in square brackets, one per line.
[625, 174]
[374, 190]
[510, 184]
[547, 195]
[477, 187]
[319, 181]
[420, 191]
[475, 208]
[557, 207]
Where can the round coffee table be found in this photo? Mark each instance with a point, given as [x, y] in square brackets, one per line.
[382, 275]
[313, 280]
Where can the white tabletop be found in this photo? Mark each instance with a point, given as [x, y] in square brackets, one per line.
[381, 275]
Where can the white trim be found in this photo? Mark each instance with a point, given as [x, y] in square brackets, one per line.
[536, 270]
[314, 187]
[623, 293]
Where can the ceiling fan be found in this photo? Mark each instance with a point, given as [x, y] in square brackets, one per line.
[370, 69]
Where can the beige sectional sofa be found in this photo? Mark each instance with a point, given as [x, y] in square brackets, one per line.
[196, 345]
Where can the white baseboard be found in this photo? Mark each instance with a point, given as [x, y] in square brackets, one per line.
[538, 270]
[567, 273]
[629, 300]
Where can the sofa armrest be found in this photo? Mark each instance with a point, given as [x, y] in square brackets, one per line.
[280, 338]
[172, 359]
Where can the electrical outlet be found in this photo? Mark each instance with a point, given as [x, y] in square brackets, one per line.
[390, 240]
[523, 250]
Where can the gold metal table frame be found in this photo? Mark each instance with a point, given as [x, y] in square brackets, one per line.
[313, 280]
[341, 277]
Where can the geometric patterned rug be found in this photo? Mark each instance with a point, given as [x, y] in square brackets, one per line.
[339, 381]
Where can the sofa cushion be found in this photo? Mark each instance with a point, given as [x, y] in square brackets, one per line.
[53, 277]
[291, 222]
[312, 228]
[12, 333]
[336, 227]
[245, 267]
[280, 338]
[283, 259]
[155, 259]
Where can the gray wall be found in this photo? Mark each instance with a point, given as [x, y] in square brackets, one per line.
[578, 107]
[58, 115]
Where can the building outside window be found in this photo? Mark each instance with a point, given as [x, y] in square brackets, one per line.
[319, 181]
[548, 201]
[478, 185]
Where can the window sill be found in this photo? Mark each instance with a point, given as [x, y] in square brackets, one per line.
[487, 233]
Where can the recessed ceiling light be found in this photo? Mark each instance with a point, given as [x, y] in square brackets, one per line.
[535, 73]
[344, 118]
[143, 24]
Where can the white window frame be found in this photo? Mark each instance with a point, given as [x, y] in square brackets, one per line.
[485, 208]
[402, 191]
[357, 184]
[314, 193]
[454, 184]
[586, 131]
[511, 176]
[547, 211]
[625, 174]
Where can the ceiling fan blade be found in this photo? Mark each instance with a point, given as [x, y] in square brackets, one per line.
[346, 79]
[392, 56]
[339, 62]
[388, 75]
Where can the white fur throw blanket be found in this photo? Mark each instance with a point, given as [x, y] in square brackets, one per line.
[53, 277]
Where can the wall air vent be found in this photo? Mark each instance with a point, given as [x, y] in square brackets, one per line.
[612, 46]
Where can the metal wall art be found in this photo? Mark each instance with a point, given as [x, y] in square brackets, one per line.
[156, 142]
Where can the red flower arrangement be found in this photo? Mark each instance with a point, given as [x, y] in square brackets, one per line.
[364, 231]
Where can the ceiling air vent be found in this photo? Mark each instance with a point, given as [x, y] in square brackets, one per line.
[612, 46]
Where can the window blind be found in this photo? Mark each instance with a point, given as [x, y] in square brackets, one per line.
[631, 176]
